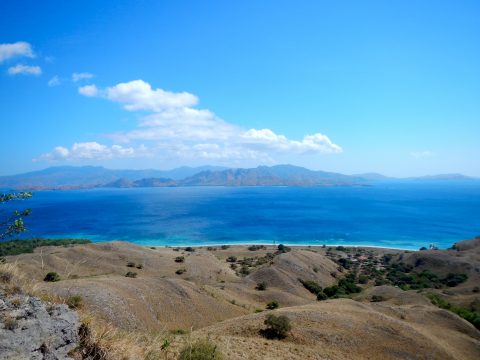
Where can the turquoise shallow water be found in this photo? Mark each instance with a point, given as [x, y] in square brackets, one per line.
[398, 215]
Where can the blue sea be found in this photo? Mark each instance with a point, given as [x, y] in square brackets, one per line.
[394, 215]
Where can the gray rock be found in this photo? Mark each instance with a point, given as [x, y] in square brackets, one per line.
[32, 329]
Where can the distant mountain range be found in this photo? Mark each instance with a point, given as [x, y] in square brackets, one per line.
[71, 177]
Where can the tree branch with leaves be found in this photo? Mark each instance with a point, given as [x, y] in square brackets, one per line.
[12, 223]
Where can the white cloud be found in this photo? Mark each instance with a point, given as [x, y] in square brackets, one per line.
[421, 154]
[88, 90]
[81, 76]
[174, 129]
[24, 69]
[139, 95]
[92, 151]
[54, 81]
[20, 48]
[310, 143]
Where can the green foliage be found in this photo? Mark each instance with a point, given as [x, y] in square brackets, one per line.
[283, 249]
[377, 298]
[131, 274]
[311, 286]
[244, 270]
[232, 259]
[189, 249]
[12, 224]
[363, 279]
[344, 287]
[322, 296]
[51, 277]
[467, 314]
[180, 271]
[202, 349]
[272, 305]
[256, 247]
[130, 264]
[224, 247]
[16, 247]
[180, 259]
[261, 286]
[277, 326]
[403, 276]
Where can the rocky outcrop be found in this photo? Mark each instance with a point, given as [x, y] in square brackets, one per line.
[33, 329]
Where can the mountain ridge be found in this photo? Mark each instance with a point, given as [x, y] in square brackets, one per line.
[78, 177]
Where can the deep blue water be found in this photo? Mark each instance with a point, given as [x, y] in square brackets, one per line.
[390, 215]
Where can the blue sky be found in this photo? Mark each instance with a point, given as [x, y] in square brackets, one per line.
[348, 86]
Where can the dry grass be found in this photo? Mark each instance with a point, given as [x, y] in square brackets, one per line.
[13, 281]
[130, 319]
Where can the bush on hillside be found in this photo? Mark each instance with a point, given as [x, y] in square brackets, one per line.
[202, 349]
[272, 305]
[261, 286]
[311, 286]
[180, 259]
[51, 277]
[277, 327]
[131, 274]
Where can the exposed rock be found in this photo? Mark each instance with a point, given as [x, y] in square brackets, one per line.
[32, 329]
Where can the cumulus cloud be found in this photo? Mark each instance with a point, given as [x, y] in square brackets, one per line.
[176, 129]
[54, 81]
[88, 90]
[81, 76]
[18, 49]
[139, 95]
[91, 151]
[24, 69]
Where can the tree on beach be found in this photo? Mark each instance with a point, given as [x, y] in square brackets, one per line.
[12, 223]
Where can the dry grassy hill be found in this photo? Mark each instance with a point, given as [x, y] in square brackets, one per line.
[214, 299]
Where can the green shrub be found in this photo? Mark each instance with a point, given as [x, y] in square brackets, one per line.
[130, 264]
[131, 274]
[16, 247]
[180, 259]
[189, 249]
[311, 286]
[200, 350]
[467, 314]
[74, 302]
[244, 270]
[180, 271]
[232, 259]
[256, 247]
[377, 298]
[272, 305]
[52, 277]
[261, 286]
[139, 266]
[277, 326]
[363, 279]
[283, 249]
[322, 296]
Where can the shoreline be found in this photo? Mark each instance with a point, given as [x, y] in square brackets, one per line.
[243, 244]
